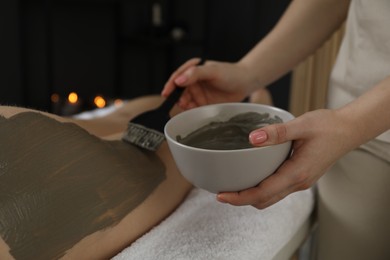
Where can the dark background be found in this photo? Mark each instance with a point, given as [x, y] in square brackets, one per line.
[121, 48]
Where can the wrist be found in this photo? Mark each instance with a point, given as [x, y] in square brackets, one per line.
[369, 112]
[253, 79]
[352, 126]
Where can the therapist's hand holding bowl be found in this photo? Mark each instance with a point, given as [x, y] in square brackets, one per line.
[227, 170]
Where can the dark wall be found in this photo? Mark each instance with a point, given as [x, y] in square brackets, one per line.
[234, 30]
[121, 48]
[10, 56]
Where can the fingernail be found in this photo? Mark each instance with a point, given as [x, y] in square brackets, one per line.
[221, 199]
[181, 79]
[258, 137]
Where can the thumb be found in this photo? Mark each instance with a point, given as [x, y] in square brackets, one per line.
[272, 134]
[171, 84]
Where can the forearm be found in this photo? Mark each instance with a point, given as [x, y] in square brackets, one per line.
[302, 29]
[116, 121]
[368, 115]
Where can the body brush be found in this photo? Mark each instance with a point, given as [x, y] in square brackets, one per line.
[147, 129]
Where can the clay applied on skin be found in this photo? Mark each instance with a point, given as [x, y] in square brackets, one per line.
[59, 184]
[228, 135]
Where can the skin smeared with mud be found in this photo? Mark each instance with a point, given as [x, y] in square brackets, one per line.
[228, 135]
[59, 184]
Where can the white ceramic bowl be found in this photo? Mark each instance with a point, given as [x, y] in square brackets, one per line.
[224, 170]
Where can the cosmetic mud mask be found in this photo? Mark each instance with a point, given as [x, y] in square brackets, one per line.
[59, 184]
[232, 134]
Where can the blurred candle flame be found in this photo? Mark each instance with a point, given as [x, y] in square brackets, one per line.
[55, 98]
[99, 101]
[118, 102]
[73, 97]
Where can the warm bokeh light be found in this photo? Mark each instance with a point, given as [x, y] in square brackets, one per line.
[55, 98]
[118, 102]
[73, 97]
[99, 101]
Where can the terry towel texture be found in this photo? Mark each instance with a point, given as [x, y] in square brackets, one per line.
[202, 228]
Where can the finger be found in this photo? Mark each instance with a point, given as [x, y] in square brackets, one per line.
[258, 197]
[194, 96]
[268, 192]
[184, 100]
[286, 180]
[198, 95]
[276, 133]
[196, 74]
[191, 105]
[170, 85]
[189, 97]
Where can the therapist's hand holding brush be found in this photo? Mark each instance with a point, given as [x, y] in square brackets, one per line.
[210, 83]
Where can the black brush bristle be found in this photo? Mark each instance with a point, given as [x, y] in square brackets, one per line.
[147, 129]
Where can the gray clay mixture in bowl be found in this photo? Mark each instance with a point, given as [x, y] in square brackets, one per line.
[232, 134]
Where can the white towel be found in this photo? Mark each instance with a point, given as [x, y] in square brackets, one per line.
[202, 228]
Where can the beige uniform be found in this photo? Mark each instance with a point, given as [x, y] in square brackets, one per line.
[354, 196]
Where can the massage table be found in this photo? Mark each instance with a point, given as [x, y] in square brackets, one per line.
[202, 228]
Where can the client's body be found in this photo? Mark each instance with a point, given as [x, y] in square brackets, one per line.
[67, 193]
[72, 189]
